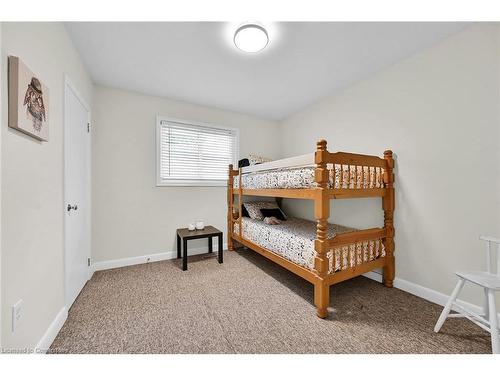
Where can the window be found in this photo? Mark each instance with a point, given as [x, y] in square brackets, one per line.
[192, 154]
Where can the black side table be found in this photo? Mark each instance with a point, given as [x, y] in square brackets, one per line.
[184, 234]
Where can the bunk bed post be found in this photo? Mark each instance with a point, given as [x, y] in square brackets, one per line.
[321, 213]
[388, 203]
[230, 201]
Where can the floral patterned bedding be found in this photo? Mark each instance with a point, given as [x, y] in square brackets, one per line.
[294, 240]
[341, 177]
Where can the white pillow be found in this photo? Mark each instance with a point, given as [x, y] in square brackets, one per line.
[257, 159]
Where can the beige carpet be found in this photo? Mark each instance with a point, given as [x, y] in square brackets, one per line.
[250, 305]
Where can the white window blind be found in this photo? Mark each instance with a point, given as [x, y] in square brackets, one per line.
[194, 154]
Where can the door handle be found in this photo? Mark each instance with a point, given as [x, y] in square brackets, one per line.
[70, 207]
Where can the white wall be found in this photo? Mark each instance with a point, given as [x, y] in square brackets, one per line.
[439, 112]
[131, 216]
[32, 185]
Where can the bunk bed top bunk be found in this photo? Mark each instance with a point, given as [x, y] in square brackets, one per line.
[347, 175]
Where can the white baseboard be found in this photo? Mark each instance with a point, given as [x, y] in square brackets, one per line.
[123, 262]
[51, 333]
[425, 293]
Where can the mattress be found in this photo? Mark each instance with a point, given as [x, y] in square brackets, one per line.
[294, 240]
[340, 177]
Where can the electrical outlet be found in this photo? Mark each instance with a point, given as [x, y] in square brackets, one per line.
[17, 313]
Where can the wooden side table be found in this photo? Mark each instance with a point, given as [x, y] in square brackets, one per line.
[184, 234]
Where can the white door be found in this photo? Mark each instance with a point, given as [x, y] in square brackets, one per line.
[76, 193]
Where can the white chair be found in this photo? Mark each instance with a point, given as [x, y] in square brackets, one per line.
[491, 283]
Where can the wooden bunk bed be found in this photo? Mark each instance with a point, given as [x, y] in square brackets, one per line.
[353, 176]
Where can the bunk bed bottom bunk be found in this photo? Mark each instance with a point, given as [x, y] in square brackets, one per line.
[293, 239]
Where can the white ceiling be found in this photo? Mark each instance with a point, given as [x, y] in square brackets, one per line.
[198, 63]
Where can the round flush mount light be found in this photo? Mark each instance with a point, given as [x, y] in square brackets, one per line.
[251, 38]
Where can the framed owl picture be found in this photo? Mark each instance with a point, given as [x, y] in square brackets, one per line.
[28, 101]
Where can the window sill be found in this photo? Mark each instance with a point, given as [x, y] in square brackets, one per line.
[180, 183]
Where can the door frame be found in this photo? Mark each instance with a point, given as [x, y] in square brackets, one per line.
[68, 85]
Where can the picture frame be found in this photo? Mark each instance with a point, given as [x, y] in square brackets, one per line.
[28, 101]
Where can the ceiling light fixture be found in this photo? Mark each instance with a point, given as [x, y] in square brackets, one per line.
[251, 38]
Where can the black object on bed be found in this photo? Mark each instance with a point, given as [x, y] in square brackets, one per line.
[273, 212]
[243, 163]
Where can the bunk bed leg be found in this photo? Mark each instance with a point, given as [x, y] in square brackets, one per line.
[230, 202]
[321, 213]
[321, 298]
[388, 203]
